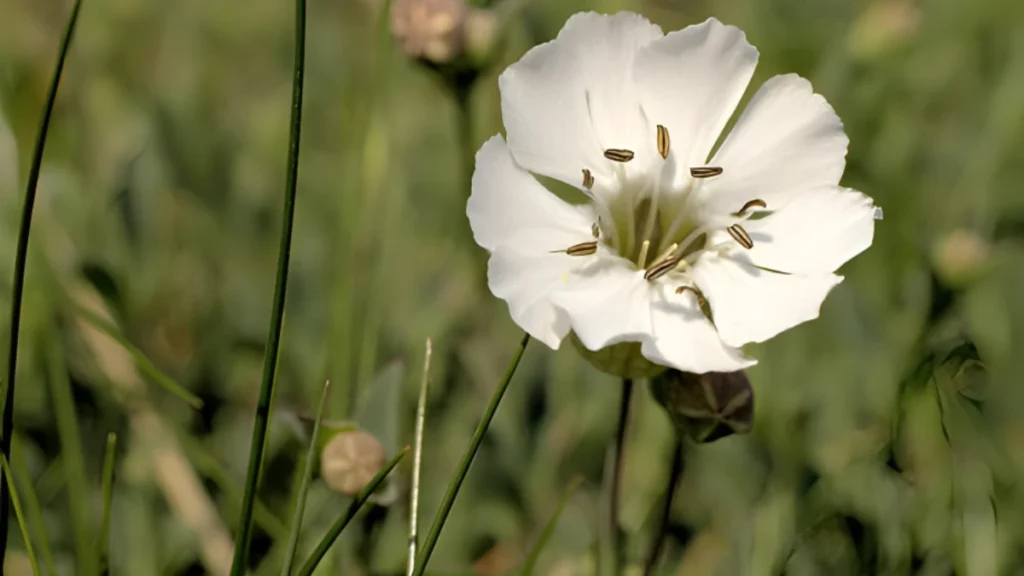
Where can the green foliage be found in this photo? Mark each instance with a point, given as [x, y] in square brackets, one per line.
[880, 443]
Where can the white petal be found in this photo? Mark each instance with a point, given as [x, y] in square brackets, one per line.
[752, 305]
[816, 233]
[607, 304]
[690, 81]
[506, 199]
[685, 339]
[524, 273]
[787, 142]
[568, 100]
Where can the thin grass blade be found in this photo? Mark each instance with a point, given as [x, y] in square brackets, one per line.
[108, 495]
[29, 549]
[20, 261]
[467, 459]
[335, 530]
[549, 528]
[144, 364]
[307, 476]
[417, 462]
[71, 454]
[33, 508]
[266, 397]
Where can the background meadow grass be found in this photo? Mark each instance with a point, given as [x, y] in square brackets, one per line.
[159, 211]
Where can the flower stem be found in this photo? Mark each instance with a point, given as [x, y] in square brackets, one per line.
[20, 262]
[262, 420]
[616, 490]
[417, 462]
[109, 460]
[666, 511]
[467, 459]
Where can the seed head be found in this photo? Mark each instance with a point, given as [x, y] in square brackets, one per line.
[350, 460]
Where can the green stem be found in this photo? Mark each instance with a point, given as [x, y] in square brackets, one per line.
[467, 459]
[335, 530]
[29, 549]
[307, 476]
[20, 262]
[666, 511]
[616, 490]
[108, 495]
[262, 420]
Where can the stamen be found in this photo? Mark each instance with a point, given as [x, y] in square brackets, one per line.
[663, 141]
[701, 301]
[740, 236]
[671, 248]
[705, 171]
[595, 228]
[755, 202]
[662, 267]
[618, 154]
[642, 259]
[581, 249]
[588, 179]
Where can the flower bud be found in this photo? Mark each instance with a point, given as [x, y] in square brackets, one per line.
[706, 407]
[960, 257]
[350, 460]
[623, 360]
[432, 30]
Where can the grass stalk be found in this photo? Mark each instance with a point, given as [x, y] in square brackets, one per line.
[20, 262]
[467, 459]
[29, 549]
[339, 525]
[33, 506]
[263, 406]
[108, 497]
[417, 463]
[307, 476]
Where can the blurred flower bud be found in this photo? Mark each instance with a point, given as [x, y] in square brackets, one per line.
[706, 407]
[883, 26]
[623, 360]
[350, 460]
[432, 30]
[960, 257]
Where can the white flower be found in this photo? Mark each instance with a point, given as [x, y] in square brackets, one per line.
[688, 255]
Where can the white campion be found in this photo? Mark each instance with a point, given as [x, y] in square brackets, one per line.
[688, 257]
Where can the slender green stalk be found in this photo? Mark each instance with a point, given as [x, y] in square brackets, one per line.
[666, 512]
[467, 459]
[21, 517]
[142, 362]
[417, 463]
[307, 475]
[76, 481]
[549, 528]
[262, 420]
[33, 508]
[335, 530]
[616, 490]
[21, 259]
[108, 496]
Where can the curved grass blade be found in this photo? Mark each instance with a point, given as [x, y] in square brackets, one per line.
[21, 259]
[307, 476]
[21, 517]
[549, 528]
[108, 494]
[263, 406]
[417, 462]
[142, 362]
[335, 530]
[33, 508]
[467, 459]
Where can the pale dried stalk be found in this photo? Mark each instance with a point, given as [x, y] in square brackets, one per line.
[173, 472]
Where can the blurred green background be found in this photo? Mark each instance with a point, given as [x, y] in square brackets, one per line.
[888, 438]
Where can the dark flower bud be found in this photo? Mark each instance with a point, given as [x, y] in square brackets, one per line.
[706, 407]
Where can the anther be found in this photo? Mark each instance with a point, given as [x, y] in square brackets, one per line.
[618, 154]
[663, 141]
[588, 179]
[752, 204]
[595, 229]
[740, 236]
[701, 301]
[705, 171]
[581, 249]
[661, 267]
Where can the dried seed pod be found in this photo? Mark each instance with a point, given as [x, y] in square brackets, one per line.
[350, 460]
[706, 407]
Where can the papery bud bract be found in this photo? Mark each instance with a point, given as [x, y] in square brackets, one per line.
[706, 407]
[350, 460]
